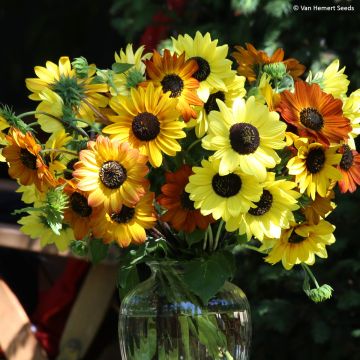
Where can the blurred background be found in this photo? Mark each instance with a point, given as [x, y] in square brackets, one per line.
[286, 324]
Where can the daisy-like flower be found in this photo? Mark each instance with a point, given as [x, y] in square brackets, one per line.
[235, 88]
[213, 66]
[175, 75]
[301, 243]
[314, 167]
[78, 214]
[125, 81]
[272, 213]
[251, 60]
[319, 208]
[350, 169]
[112, 174]
[148, 120]
[30, 194]
[267, 94]
[35, 225]
[351, 110]
[25, 161]
[181, 213]
[128, 224]
[334, 81]
[245, 136]
[315, 114]
[80, 94]
[222, 196]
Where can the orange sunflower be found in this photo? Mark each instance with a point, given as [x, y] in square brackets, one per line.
[350, 169]
[111, 174]
[78, 214]
[128, 224]
[181, 213]
[175, 75]
[250, 60]
[315, 114]
[25, 162]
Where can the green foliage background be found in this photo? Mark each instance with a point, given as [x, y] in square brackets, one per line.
[286, 324]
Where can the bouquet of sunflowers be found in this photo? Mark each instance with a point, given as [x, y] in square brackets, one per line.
[191, 152]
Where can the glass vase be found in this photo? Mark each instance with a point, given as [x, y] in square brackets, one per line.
[160, 319]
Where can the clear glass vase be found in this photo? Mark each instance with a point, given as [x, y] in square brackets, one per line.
[161, 320]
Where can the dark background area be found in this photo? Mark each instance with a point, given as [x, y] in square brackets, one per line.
[286, 323]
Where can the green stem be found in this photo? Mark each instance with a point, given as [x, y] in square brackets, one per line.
[210, 238]
[60, 151]
[205, 240]
[218, 232]
[310, 273]
[193, 144]
[28, 113]
[254, 248]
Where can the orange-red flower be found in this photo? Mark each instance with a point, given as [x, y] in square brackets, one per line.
[181, 213]
[315, 114]
[25, 162]
[250, 59]
[350, 169]
[174, 74]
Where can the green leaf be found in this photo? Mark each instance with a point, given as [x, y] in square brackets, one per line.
[195, 237]
[206, 276]
[98, 250]
[79, 247]
[128, 278]
[119, 68]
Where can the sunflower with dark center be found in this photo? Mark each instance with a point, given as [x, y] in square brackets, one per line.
[314, 167]
[174, 76]
[111, 174]
[301, 243]
[180, 211]
[213, 67]
[26, 164]
[83, 95]
[126, 225]
[314, 113]
[149, 121]
[272, 213]
[350, 169]
[223, 196]
[245, 136]
[235, 89]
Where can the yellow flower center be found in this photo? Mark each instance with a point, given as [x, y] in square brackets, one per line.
[172, 83]
[112, 174]
[28, 159]
[263, 206]
[227, 185]
[244, 138]
[203, 70]
[124, 215]
[80, 205]
[311, 119]
[315, 160]
[145, 126]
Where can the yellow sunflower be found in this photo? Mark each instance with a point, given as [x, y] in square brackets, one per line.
[334, 81]
[272, 213]
[36, 227]
[213, 66]
[319, 208]
[111, 173]
[235, 88]
[80, 94]
[25, 161]
[128, 224]
[314, 167]
[175, 75]
[301, 243]
[148, 120]
[222, 196]
[351, 110]
[245, 136]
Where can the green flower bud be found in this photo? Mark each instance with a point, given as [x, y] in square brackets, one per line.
[320, 294]
[275, 70]
[81, 67]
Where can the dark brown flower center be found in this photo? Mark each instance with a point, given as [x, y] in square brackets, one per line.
[227, 185]
[347, 158]
[295, 238]
[203, 70]
[186, 203]
[211, 103]
[172, 83]
[112, 174]
[244, 138]
[312, 119]
[70, 168]
[146, 126]
[124, 215]
[315, 160]
[28, 159]
[80, 205]
[264, 205]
